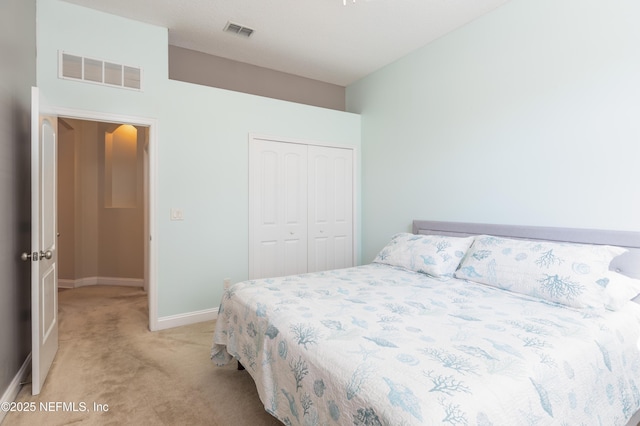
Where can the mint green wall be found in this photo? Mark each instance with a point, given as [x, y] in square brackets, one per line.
[81, 31]
[528, 115]
[202, 152]
[204, 170]
[17, 75]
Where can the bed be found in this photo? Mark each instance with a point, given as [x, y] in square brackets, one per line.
[445, 327]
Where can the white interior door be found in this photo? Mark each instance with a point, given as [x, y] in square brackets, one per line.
[277, 209]
[43, 256]
[330, 192]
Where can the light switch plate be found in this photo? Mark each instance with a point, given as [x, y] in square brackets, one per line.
[177, 214]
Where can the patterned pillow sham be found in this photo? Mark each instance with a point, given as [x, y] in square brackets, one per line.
[557, 272]
[434, 255]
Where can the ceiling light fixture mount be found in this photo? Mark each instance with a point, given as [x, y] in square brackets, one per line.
[344, 2]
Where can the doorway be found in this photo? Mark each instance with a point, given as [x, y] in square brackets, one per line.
[112, 219]
[101, 203]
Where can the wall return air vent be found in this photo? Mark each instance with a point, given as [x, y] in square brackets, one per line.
[97, 71]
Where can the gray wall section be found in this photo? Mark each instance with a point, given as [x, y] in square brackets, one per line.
[200, 68]
[17, 75]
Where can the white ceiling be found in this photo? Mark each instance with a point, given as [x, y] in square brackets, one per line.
[318, 39]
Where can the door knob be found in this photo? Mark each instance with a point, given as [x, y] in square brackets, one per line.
[46, 254]
[26, 256]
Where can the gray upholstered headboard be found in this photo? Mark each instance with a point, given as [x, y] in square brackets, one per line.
[628, 263]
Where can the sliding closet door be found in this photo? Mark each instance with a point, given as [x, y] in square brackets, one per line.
[277, 209]
[330, 208]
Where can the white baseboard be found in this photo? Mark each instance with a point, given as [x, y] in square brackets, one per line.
[186, 319]
[14, 387]
[83, 282]
[163, 323]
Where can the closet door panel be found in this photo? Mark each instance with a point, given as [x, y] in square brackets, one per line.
[342, 252]
[294, 204]
[277, 209]
[266, 258]
[318, 251]
[268, 185]
[330, 208]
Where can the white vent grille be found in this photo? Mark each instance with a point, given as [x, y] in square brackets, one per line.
[96, 71]
[113, 74]
[93, 70]
[238, 29]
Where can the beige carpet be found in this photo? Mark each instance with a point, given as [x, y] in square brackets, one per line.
[107, 356]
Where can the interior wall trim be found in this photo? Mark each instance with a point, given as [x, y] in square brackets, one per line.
[14, 387]
[88, 281]
[189, 318]
[152, 124]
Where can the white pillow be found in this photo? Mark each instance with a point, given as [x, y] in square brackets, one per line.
[434, 255]
[618, 289]
[558, 272]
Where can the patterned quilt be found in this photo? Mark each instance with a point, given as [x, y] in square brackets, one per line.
[378, 345]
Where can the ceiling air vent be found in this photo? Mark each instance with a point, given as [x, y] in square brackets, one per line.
[97, 71]
[238, 29]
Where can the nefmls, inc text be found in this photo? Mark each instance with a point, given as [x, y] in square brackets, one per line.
[53, 406]
[72, 406]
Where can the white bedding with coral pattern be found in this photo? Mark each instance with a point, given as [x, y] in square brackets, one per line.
[380, 345]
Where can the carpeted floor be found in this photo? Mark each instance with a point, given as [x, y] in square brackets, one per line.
[108, 357]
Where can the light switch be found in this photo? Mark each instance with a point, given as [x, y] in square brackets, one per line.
[177, 214]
